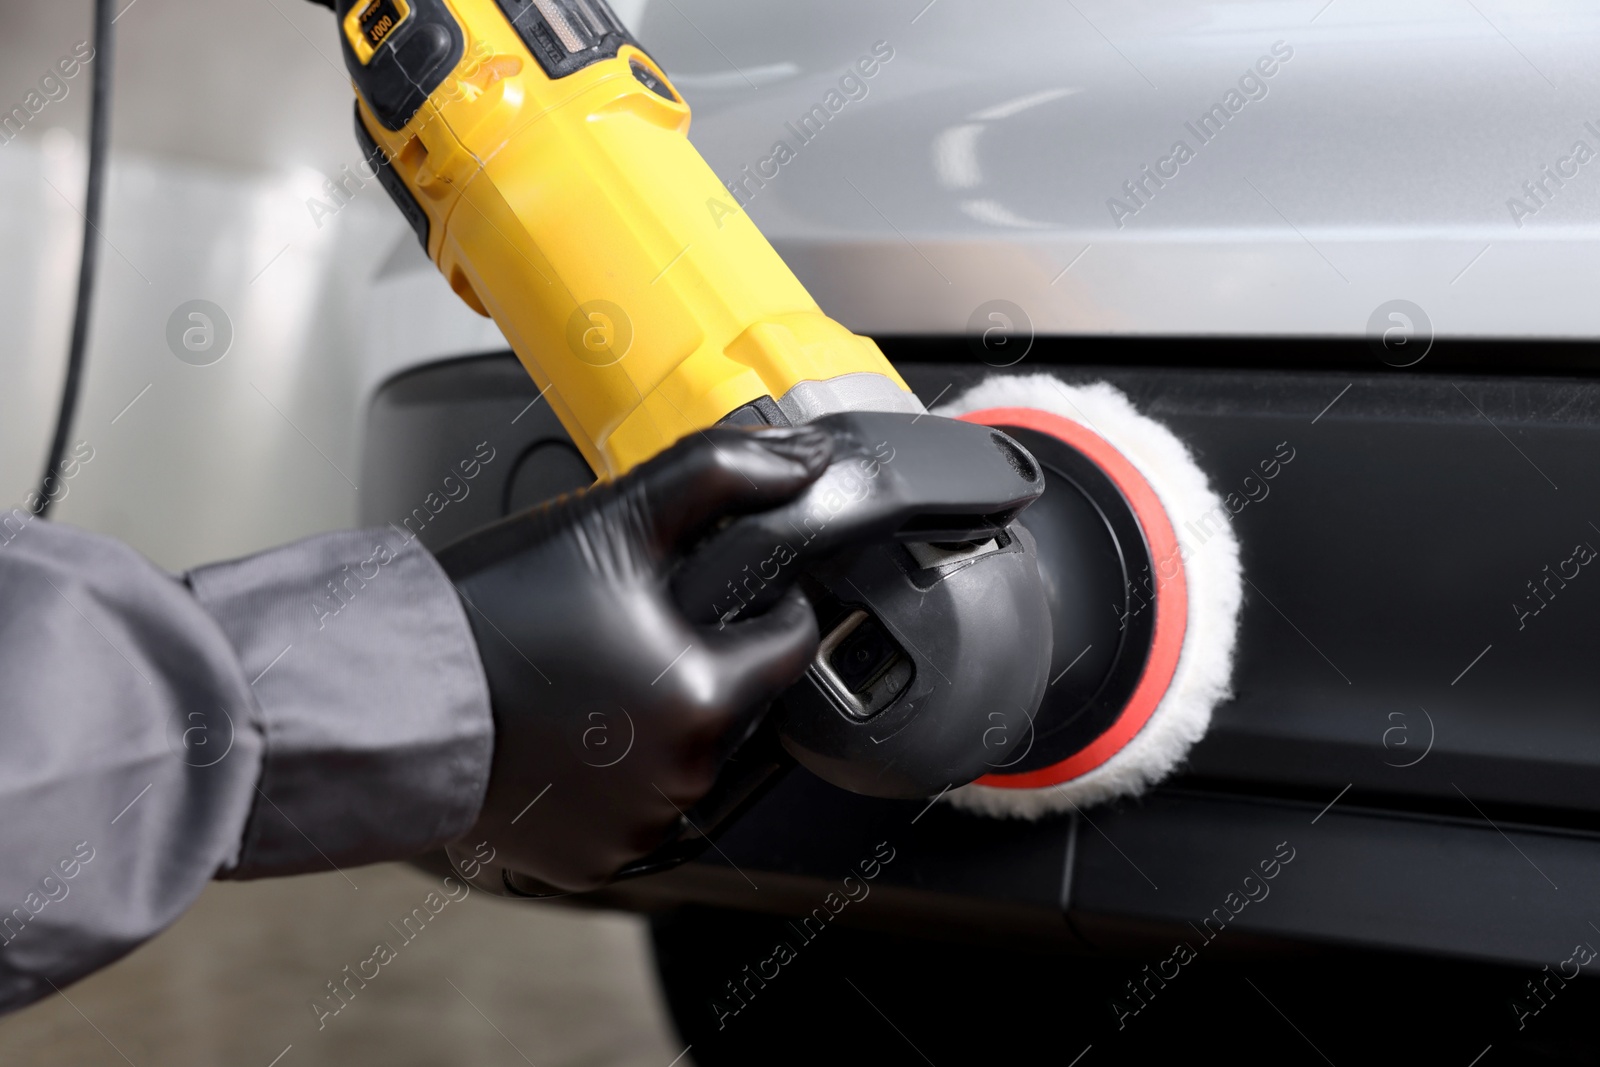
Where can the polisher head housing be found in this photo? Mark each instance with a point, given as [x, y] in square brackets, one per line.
[1141, 571]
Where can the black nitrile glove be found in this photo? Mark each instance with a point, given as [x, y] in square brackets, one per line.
[610, 707]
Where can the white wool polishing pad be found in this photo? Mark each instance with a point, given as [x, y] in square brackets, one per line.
[1212, 585]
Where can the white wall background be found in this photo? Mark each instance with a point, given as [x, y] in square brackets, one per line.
[227, 118]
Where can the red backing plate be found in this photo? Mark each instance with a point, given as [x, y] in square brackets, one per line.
[1171, 594]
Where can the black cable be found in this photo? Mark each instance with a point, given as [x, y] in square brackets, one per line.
[88, 260]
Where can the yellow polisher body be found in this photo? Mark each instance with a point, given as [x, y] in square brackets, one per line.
[572, 209]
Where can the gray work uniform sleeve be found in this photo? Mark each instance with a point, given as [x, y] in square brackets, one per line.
[312, 708]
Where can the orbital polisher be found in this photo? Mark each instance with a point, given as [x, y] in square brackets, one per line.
[1009, 613]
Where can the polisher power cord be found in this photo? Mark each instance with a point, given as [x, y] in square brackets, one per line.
[89, 258]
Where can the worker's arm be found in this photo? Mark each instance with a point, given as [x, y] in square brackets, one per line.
[329, 704]
[250, 720]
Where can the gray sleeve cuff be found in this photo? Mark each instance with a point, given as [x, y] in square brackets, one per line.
[375, 709]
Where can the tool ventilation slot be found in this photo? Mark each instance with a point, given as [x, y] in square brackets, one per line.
[566, 36]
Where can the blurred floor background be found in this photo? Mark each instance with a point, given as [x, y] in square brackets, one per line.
[485, 983]
[226, 119]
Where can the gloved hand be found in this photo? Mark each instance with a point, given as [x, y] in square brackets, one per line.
[610, 708]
